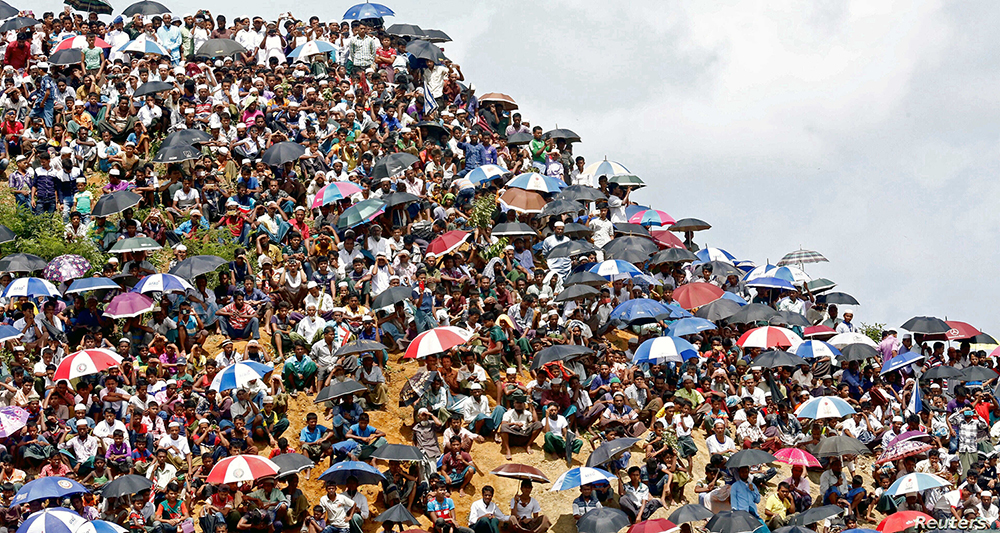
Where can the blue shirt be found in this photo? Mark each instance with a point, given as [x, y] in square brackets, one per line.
[744, 497]
[475, 155]
[308, 436]
[367, 432]
[45, 184]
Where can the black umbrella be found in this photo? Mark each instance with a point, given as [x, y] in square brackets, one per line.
[280, 153]
[689, 224]
[926, 324]
[405, 30]
[609, 451]
[576, 291]
[561, 207]
[776, 358]
[220, 48]
[176, 154]
[626, 228]
[673, 255]
[398, 452]
[733, 522]
[858, 351]
[435, 36]
[125, 485]
[570, 249]
[513, 229]
[7, 10]
[338, 389]
[433, 128]
[69, 56]
[978, 373]
[629, 248]
[585, 277]
[422, 49]
[983, 338]
[603, 520]
[558, 352]
[840, 445]
[116, 202]
[691, 512]
[146, 7]
[749, 457]
[941, 372]
[816, 514]
[562, 133]
[6, 234]
[360, 346]
[186, 138]
[577, 231]
[17, 23]
[393, 164]
[819, 285]
[399, 198]
[21, 262]
[582, 193]
[391, 296]
[720, 309]
[397, 514]
[152, 87]
[793, 529]
[751, 313]
[839, 298]
[292, 463]
[519, 139]
[197, 265]
[789, 318]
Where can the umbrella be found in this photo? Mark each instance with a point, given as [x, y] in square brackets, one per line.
[691, 512]
[32, 287]
[824, 407]
[613, 269]
[85, 363]
[843, 339]
[672, 255]
[796, 457]
[915, 482]
[638, 310]
[581, 475]
[399, 198]
[814, 349]
[125, 485]
[768, 337]
[291, 463]
[576, 291]
[908, 435]
[162, 283]
[66, 57]
[393, 164]
[240, 468]
[560, 206]
[521, 472]
[606, 168]
[733, 522]
[143, 45]
[17, 23]
[79, 42]
[311, 48]
[802, 257]
[367, 10]
[153, 87]
[361, 213]
[21, 262]
[624, 228]
[8, 333]
[901, 520]
[694, 295]
[602, 520]
[839, 298]
[7, 10]
[690, 326]
[558, 352]
[562, 133]
[658, 525]
[674, 312]
[581, 193]
[513, 229]
[533, 181]
[519, 139]
[609, 451]
[6, 235]
[398, 452]
[334, 192]
[116, 202]
[360, 346]
[392, 296]
[436, 340]
[506, 101]
[434, 130]
[338, 389]
[240, 375]
[819, 331]
[789, 318]
[715, 254]
[436, 36]
[281, 153]
[652, 217]
[128, 305]
[982, 338]
[486, 173]
[941, 372]
[749, 457]
[447, 242]
[841, 445]
[856, 352]
[767, 282]
[407, 30]
[816, 514]
[47, 487]
[101, 526]
[778, 358]
[978, 373]
[718, 310]
[689, 224]
[146, 7]
[397, 514]
[629, 248]
[363, 472]
[197, 265]
[425, 50]
[221, 48]
[900, 361]
[926, 324]
[959, 331]
[584, 277]
[12, 418]
[53, 520]
[176, 154]
[183, 137]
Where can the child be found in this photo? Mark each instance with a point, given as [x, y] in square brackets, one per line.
[317, 522]
[283, 447]
[83, 200]
[683, 425]
[119, 454]
[884, 503]
[141, 457]
[99, 476]
[858, 496]
[136, 521]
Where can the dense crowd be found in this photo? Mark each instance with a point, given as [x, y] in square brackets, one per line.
[375, 206]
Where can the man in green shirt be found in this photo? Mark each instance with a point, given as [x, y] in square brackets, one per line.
[269, 498]
[537, 146]
[689, 393]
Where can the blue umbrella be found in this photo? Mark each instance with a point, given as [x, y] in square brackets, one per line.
[638, 310]
[675, 311]
[53, 520]
[92, 284]
[44, 488]
[239, 375]
[100, 526]
[312, 48]
[485, 173]
[613, 269]
[367, 11]
[533, 181]
[664, 349]
[30, 287]
[9, 332]
[814, 349]
[734, 297]
[365, 473]
[689, 326]
[900, 361]
[581, 475]
[715, 254]
[767, 282]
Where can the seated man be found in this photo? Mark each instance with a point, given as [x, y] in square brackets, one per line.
[635, 499]
[269, 498]
[81, 449]
[315, 439]
[484, 515]
[519, 427]
[585, 502]
[526, 513]
[456, 465]
[370, 375]
[368, 437]
[299, 372]
[238, 320]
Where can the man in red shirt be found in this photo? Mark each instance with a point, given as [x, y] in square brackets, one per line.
[18, 52]
[239, 319]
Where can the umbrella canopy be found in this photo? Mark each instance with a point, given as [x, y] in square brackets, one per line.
[146, 7]
[652, 217]
[365, 473]
[143, 45]
[116, 202]
[693, 295]
[86, 362]
[816, 514]
[638, 310]
[909, 435]
[718, 310]
[436, 340]
[360, 346]
[506, 101]
[44, 488]
[338, 389]
[767, 282]
[522, 472]
[585, 277]
[292, 463]
[749, 457]
[367, 10]
[691, 325]
[220, 48]
[436, 36]
[447, 242]
[690, 224]
[941, 372]
[778, 358]
[52, 520]
[16, 23]
[182, 137]
[796, 457]
[283, 152]
[813, 349]
[422, 49]
[841, 340]
[581, 475]
[125, 485]
[558, 352]
[615, 269]
[197, 265]
[311, 48]
[602, 520]
[361, 213]
[534, 181]
[581, 193]
[79, 42]
[819, 331]
[658, 525]
[571, 249]
[101, 526]
[841, 445]
[393, 164]
[959, 331]
[562, 133]
[8, 332]
[768, 337]
[162, 283]
[398, 452]
[789, 318]
[839, 298]
[513, 229]
[7, 10]
[31, 287]
[902, 360]
[90, 6]
[392, 296]
[334, 192]
[733, 522]
[12, 418]
[856, 352]
[926, 325]
[153, 87]
[239, 375]
[673, 255]
[519, 139]
[6, 235]
[610, 451]
[978, 373]
[397, 514]
[915, 482]
[485, 173]
[715, 254]
[176, 154]
[524, 201]
[824, 407]
[576, 291]
[128, 305]
[606, 168]
[240, 468]
[21, 262]
[801, 257]
[901, 520]
[691, 512]
[559, 206]
[621, 247]
[407, 30]
[625, 228]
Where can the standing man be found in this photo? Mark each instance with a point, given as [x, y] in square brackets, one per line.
[44, 194]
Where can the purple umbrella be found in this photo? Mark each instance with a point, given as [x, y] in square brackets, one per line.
[12, 419]
[908, 435]
[128, 305]
[65, 268]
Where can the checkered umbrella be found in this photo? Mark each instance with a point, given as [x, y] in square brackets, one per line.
[802, 257]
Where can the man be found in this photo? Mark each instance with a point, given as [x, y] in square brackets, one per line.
[485, 515]
[456, 465]
[779, 506]
[178, 450]
[370, 375]
[238, 320]
[339, 508]
[299, 372]
[847, 326]
[585, 502]
[519, 426]
[968, 425]
[44, 191]
[560, 265]
[526, 513]
[476, 411]
[269, 498]
[84, 448]
[361, 505]
[636, 501]
[557, 435]
[743, 495]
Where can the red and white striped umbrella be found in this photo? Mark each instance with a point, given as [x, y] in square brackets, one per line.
[769, 337]
[86, 362]
[447, 243]
[80, 42]
[436, 340]
[242, 468]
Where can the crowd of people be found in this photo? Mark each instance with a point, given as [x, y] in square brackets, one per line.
[409, 210]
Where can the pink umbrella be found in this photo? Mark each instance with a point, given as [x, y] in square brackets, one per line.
[447, 243]
[128, 305]
[666, 238]
[908, 435]
[80, 42]
[652, 217]
[796, 457]
[333, 192]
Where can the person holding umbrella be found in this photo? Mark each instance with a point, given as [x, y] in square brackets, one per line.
[743, 495]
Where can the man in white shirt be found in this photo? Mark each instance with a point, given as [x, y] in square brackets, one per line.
[518, 427]
[476, 411]
[311, 323]
[178, 451]
[105, 429]
[322, 301]
[484, 514]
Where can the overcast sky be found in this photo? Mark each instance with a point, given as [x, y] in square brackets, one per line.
[867, 131]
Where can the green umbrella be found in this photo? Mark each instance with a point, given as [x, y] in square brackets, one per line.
[90, 6]
[360, 213]
[135, 244]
